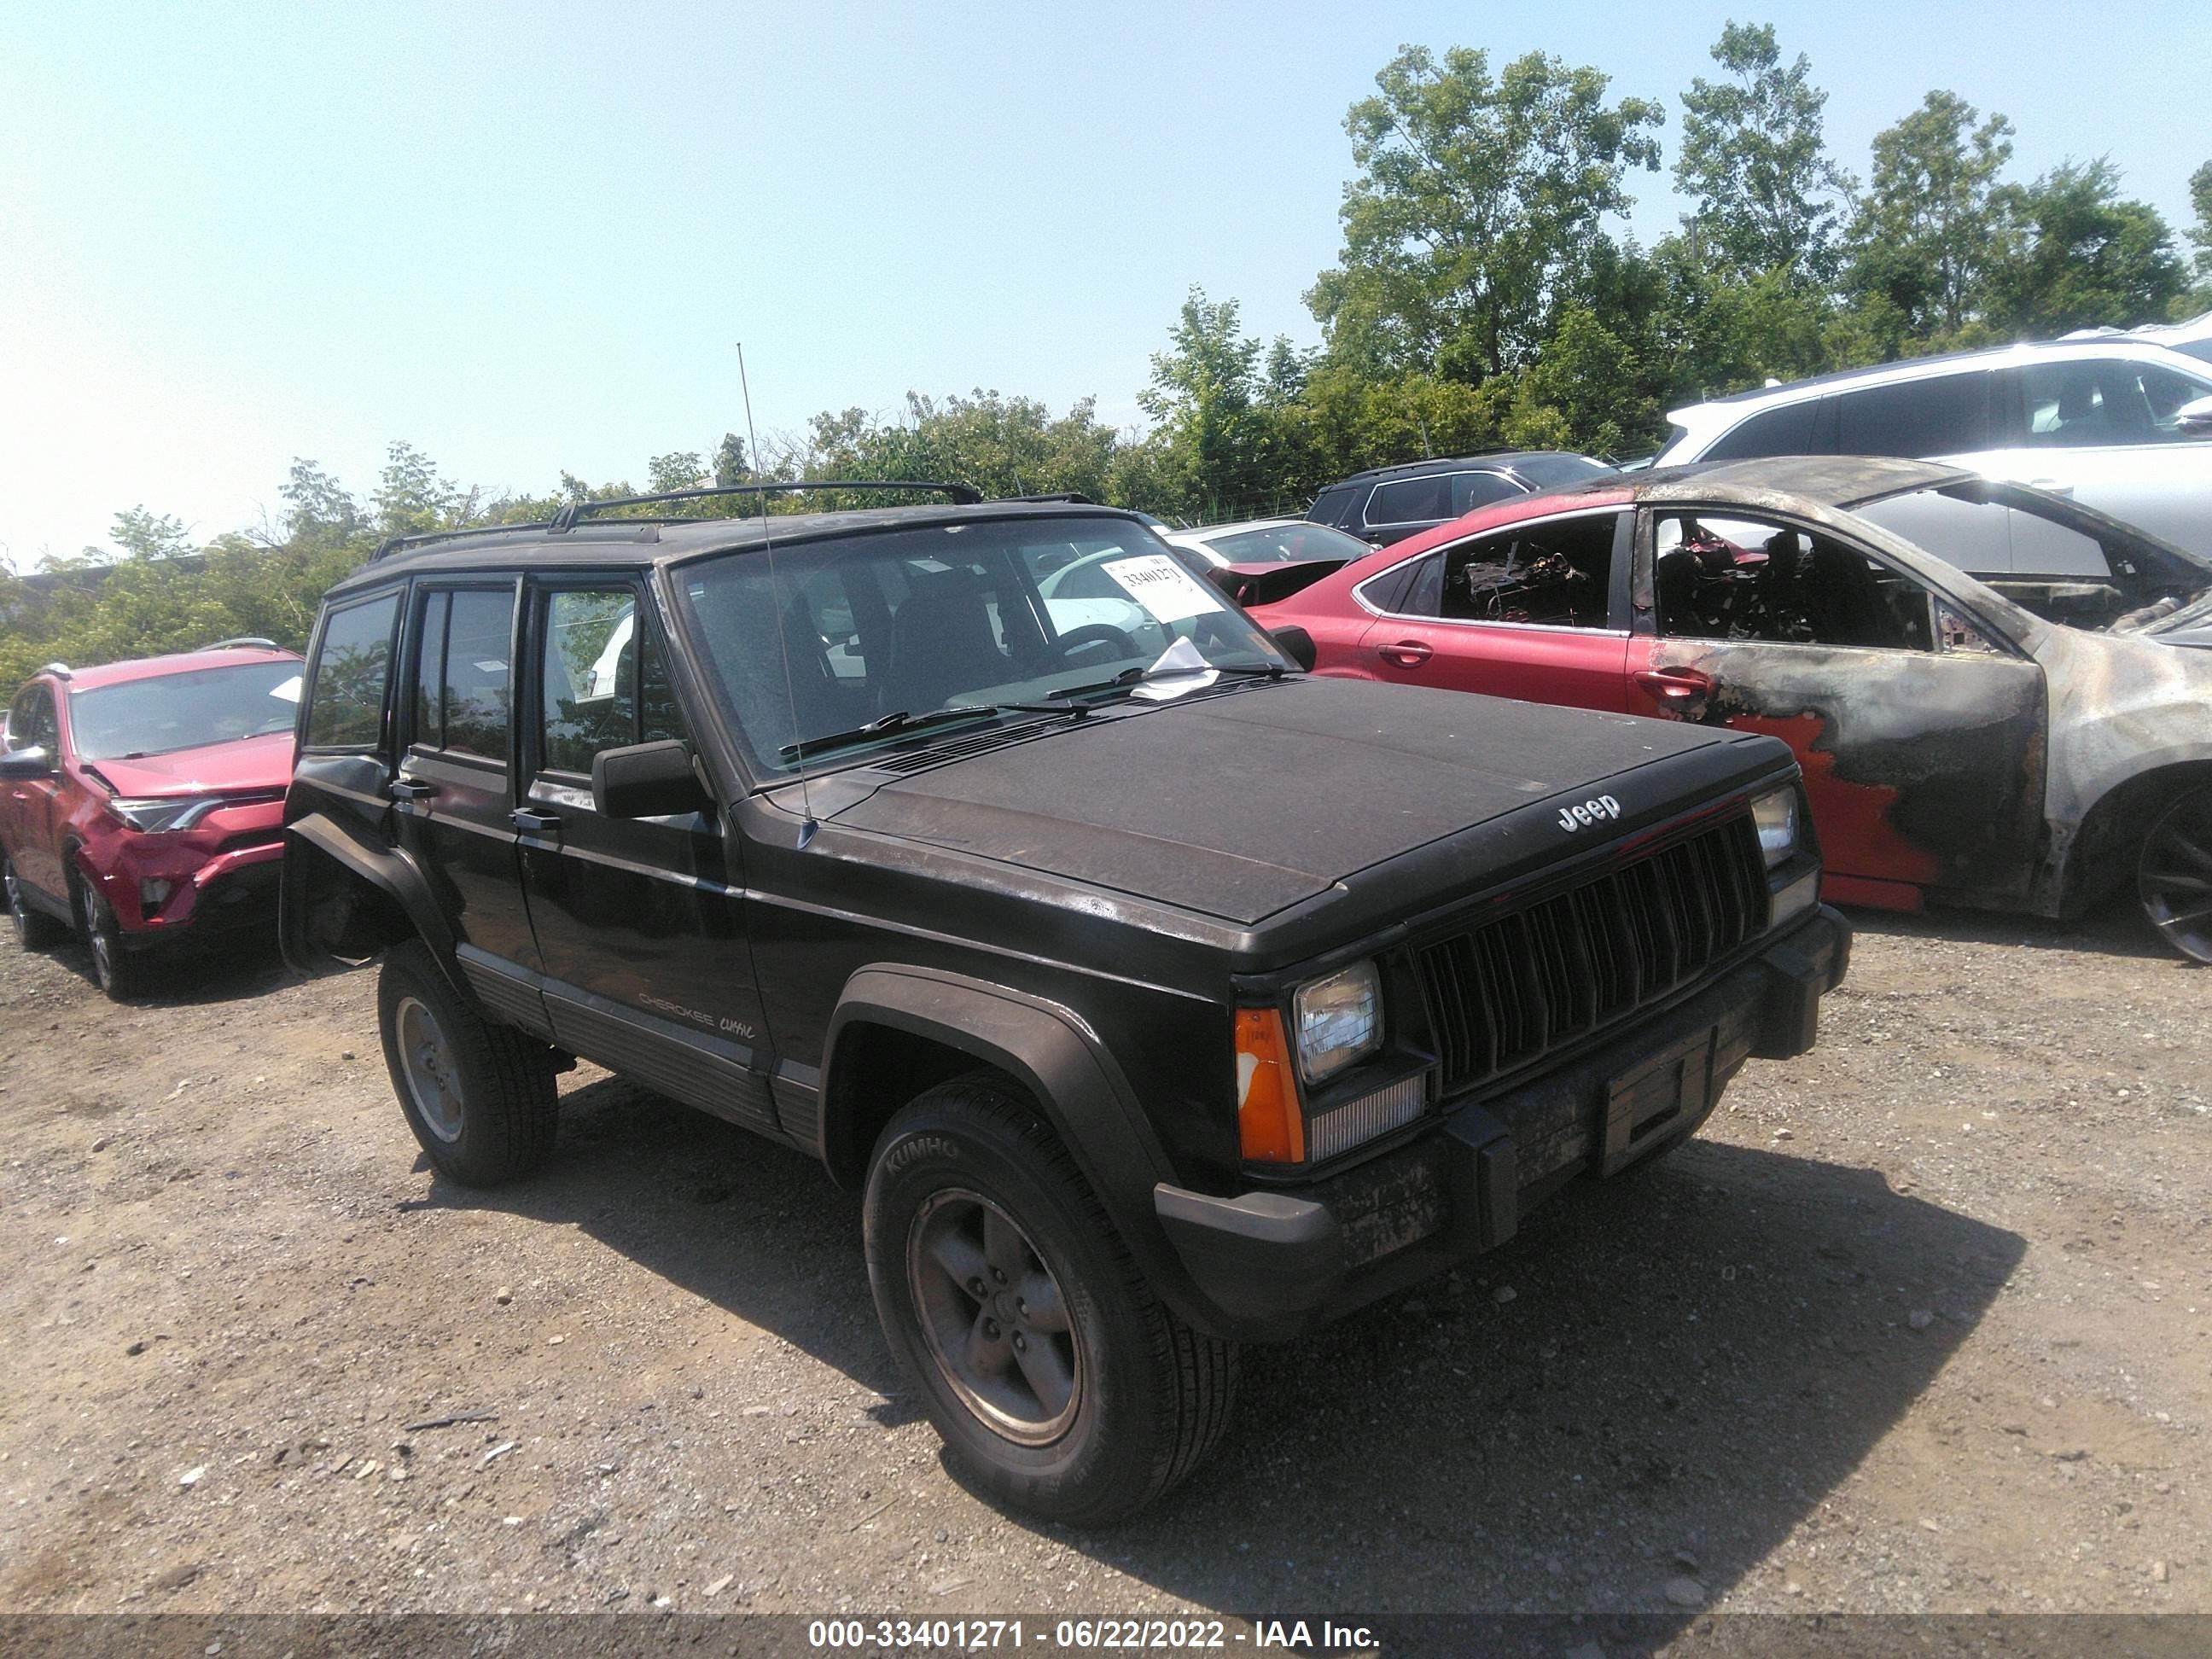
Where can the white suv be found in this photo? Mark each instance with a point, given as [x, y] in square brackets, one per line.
[2117, 422]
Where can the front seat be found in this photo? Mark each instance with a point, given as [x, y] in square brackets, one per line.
[942, 646]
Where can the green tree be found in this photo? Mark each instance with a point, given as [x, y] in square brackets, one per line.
[1755, 160]
[2074, 254]
[411, 498]
[1479, 206]
[317, 507]
[1204, 398]
[1928, 229]
[680, 470]
[2200, 234]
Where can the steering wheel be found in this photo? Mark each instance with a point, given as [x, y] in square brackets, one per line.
[1090, 634]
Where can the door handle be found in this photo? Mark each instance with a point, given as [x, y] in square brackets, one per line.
[1407, 654]
[412, 789]
[534, 823]
[1677, 690]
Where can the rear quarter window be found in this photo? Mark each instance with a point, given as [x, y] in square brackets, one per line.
[1784, 431]
[353, 668]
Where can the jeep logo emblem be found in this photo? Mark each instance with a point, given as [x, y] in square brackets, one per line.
[1589, 811]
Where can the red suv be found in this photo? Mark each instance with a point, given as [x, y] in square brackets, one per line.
[143, 803]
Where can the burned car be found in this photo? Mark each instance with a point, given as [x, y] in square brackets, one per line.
[1957, 746]
[1026, 917]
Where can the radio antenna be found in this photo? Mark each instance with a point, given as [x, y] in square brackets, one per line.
[807, 830]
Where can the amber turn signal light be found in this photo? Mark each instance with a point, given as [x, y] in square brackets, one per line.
[1269, 1125]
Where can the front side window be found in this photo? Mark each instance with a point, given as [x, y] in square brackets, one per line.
[2105, 401]
[1945, 415]
[31, 721]
[1727, 577]
[186, 711]
[1437, 497]
[351, 671]
[1553, 574]
[883, 629]
[605, 686]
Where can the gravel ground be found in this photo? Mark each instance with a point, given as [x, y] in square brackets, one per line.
[1915, 1325]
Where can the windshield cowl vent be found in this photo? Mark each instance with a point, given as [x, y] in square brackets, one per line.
[934, 754]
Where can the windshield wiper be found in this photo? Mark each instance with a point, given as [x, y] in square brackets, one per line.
[1129, 678]
[885, 726]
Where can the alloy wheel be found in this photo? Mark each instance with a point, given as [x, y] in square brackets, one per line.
[2175, 875]
[994, 1319]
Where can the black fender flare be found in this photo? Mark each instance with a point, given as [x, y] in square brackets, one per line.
[1055, 1055]
[392, 872]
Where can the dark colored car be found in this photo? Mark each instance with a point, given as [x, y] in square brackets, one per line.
[142, 803]
[1392, 502]
[1035, 925]
[1956, 745]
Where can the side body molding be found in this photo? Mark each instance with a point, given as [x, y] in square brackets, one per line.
[1054, 1054]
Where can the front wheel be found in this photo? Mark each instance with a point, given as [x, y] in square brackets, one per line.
[1060, 1383]
[480, 1097]
[2173, 878]
[118, 974]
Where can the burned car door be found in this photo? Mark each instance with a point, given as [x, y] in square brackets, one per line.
[1920, 729]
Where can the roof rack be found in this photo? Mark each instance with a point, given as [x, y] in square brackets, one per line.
[244, 643]
[394, 543]
[1073, 497]
[568, 516]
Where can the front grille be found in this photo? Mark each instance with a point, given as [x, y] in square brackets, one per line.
[1512, 989]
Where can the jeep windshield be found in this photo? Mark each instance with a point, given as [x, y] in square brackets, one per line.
[185, 711]
[906, 635]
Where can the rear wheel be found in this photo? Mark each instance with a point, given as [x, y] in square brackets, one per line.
[480, 1097]
[34, 929]
[2173, 878]
[1060, 1383]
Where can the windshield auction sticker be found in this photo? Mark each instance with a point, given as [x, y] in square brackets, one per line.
[1167, 591]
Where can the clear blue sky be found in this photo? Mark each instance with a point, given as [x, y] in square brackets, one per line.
[524, 237]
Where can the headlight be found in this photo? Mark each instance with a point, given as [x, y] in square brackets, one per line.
[159, 812]
[1776, 814]
[1338, 1021]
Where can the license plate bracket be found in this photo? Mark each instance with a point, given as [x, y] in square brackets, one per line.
[1640, 1104]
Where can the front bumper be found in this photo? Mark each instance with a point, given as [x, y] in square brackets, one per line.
[1270, 1265]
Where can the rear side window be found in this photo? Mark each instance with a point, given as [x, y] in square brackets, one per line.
[352, 669]
[1555, 575]
[1948, 415]
[1784, 431]
[462, 691]
[1474, 489]
[1412, 500]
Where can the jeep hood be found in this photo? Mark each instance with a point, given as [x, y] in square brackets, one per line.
[1239, 805]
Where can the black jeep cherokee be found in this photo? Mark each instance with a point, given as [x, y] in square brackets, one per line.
[1160, 995]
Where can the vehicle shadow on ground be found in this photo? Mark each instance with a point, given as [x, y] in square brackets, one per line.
[2114, 929]
[1688, 1360]
[248, 967]
[758, 1230]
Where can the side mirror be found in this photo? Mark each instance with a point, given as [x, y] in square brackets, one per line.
[21, 764]
[2194, 415]
[647, 780]
[1296, 644]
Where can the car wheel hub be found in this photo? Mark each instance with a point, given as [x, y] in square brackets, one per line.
[427, 1061]
[992, 1315]
[2175, 876]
